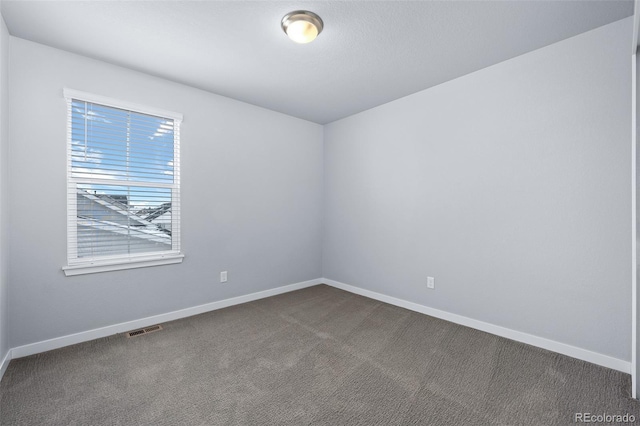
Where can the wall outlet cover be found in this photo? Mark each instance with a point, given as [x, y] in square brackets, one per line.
[431, 282]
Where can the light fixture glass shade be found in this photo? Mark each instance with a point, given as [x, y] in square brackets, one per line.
[302, 26]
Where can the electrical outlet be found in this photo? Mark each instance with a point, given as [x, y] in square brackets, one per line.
[431, 282]
[223, 276]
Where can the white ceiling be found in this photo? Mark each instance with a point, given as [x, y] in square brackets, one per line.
[369, 53]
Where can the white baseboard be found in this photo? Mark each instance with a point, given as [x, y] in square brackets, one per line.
[551, 345]
[71, 339]
[5, 363]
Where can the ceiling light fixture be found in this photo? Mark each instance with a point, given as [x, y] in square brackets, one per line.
[302, 26]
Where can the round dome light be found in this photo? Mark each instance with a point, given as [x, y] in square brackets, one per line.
[302, 26]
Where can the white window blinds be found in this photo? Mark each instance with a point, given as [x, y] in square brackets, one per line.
[123, 171]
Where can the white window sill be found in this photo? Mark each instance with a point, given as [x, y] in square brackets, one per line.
[120, 264]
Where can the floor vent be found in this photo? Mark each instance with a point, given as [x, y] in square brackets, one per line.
[142, 331]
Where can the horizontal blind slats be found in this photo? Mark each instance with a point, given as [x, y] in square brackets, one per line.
[152, 168]
[110, 151]
[162, 142]
[114, 111]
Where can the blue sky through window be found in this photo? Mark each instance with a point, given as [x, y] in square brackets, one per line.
[114, 144]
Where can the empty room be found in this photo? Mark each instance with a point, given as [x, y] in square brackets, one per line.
[318, 212]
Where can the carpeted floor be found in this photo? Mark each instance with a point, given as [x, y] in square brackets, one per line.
[317, 356]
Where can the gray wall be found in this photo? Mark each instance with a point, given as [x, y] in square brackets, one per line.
[510, 186]
[4, 141]
[251, 199]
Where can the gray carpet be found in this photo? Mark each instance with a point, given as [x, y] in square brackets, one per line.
[318, 356]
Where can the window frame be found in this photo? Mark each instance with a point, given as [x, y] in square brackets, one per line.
[78, 266]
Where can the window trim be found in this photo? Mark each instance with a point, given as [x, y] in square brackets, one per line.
[77, 266]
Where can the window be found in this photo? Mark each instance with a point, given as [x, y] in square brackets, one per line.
[123, 185]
